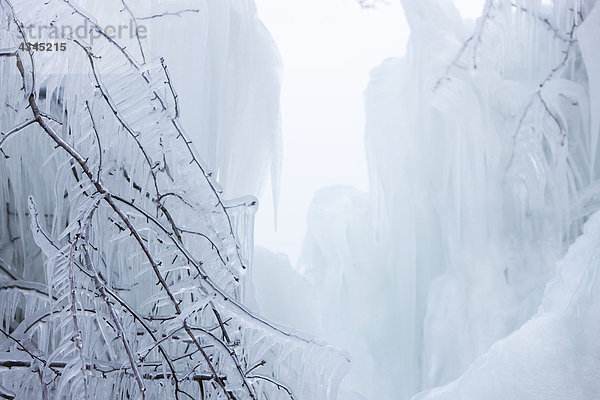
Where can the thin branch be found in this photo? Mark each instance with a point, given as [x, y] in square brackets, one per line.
[25, 286]
[51, 118]
[8, 53]
[554, 118]
[232, 354]
[4, 392]
[171, 87]
[258, 365]
[170, 14]
[30, 353]
[277, 384]
[105, 368]
[135, 26]
[545, 21]
[87, 106]
[537, 94]
[8, 270]
[475, 37]
[4, 136]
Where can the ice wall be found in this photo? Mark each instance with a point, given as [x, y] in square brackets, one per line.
[555, 354]
[483, 157]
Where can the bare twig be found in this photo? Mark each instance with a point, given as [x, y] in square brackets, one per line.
[148, 370]
[7, 394]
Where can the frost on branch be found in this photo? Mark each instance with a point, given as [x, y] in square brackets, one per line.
[121, 272]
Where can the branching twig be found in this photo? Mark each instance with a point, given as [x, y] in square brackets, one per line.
[30, 353]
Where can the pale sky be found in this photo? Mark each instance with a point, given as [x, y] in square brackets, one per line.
[328, 48]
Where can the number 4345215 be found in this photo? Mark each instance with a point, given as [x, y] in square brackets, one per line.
[43, 46]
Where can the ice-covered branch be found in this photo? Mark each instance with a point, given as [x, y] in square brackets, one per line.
[179, 13]
[4, 136]
[136, 29]
[141, 264]
[537, 95]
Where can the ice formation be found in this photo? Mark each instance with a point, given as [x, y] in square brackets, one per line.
[518, 109]
[123, 271]
[484, 166]
[469, 272]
